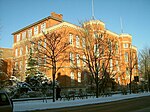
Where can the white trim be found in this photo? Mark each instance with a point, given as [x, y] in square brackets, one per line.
[112, 33]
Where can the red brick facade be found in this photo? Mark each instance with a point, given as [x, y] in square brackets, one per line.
[66, 75]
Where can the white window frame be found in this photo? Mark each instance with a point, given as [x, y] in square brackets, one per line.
[16, 52]
[126, 56]
[43, 27]
[45, 43]
[78, 59]
[79, 77]
[21, 51]
[23, 35]
[96, 50]
[111, 64]
[71, 58]
[21, 65]
[71, 39]
[30, 33]
[26, 64]
[77, 41]
[125, 45]
[39, 44]
[18, 38]
[26, 49]
[72, 77]
[117, 65]
[36, 30]
[83, 43]
[84, 60]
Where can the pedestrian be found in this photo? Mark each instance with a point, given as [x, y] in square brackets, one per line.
[58, 90]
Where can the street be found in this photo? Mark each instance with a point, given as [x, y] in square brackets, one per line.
[141, 104]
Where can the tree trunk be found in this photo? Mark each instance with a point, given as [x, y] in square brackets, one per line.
[53, 87]
[97, 89]
[130, 82]
[53, 73]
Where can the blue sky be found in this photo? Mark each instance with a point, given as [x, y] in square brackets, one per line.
[135, 14]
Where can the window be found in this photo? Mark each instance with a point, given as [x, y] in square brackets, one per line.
[26, 64]
[84, 60]
[26, 49]
[127, 73]
[30, 33]
[77, 41]
[21, 50]
[71, 39]
[71, 58]
[126, 57]
[117, 65]
[36, 30]
[18, 37]
[78, 60]
[72, 77]
[125, 45]
[43, 27]
[110, 45]
[21, 65]
[95, 35]
[116, 48]
[16, 65]
[23, 35]
[16, 52]
[111, 64]
[45, 43]
[96, 50]
[79, 77]
[32, 47]
[39, 44]
[83, 43]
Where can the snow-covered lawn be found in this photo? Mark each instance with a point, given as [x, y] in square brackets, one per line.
[40, 105]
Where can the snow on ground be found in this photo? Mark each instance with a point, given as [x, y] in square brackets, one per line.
[40, 105]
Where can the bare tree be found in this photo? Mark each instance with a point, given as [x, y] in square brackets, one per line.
[99, 50]
[132, 65]
[144, 62]
[51, 51]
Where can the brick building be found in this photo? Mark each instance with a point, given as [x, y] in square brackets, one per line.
[66, 75]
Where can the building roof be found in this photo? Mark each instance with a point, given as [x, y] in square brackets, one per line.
[35, 23]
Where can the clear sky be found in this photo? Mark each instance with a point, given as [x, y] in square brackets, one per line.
[135, 14]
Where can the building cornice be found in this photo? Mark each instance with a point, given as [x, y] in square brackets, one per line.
[94, 22]
[29, 26]
[125, 35]
[112, 33]
[134, 47]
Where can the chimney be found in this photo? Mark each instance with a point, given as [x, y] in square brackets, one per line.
[57, 16]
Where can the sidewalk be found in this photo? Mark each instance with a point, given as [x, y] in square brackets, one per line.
[40, 105]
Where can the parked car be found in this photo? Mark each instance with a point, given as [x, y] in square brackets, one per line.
[6, 104]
